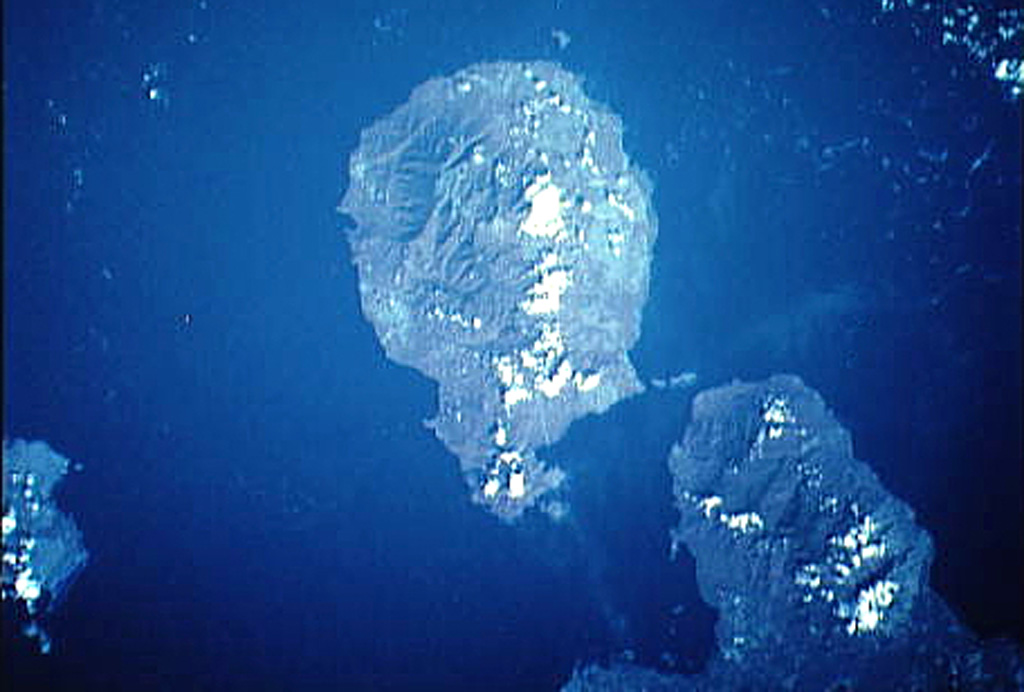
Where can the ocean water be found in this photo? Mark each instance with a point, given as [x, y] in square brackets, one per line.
[838, 193]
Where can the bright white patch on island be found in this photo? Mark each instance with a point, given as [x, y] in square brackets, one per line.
[544, 219]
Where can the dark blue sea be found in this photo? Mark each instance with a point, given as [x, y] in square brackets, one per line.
[838, 195]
